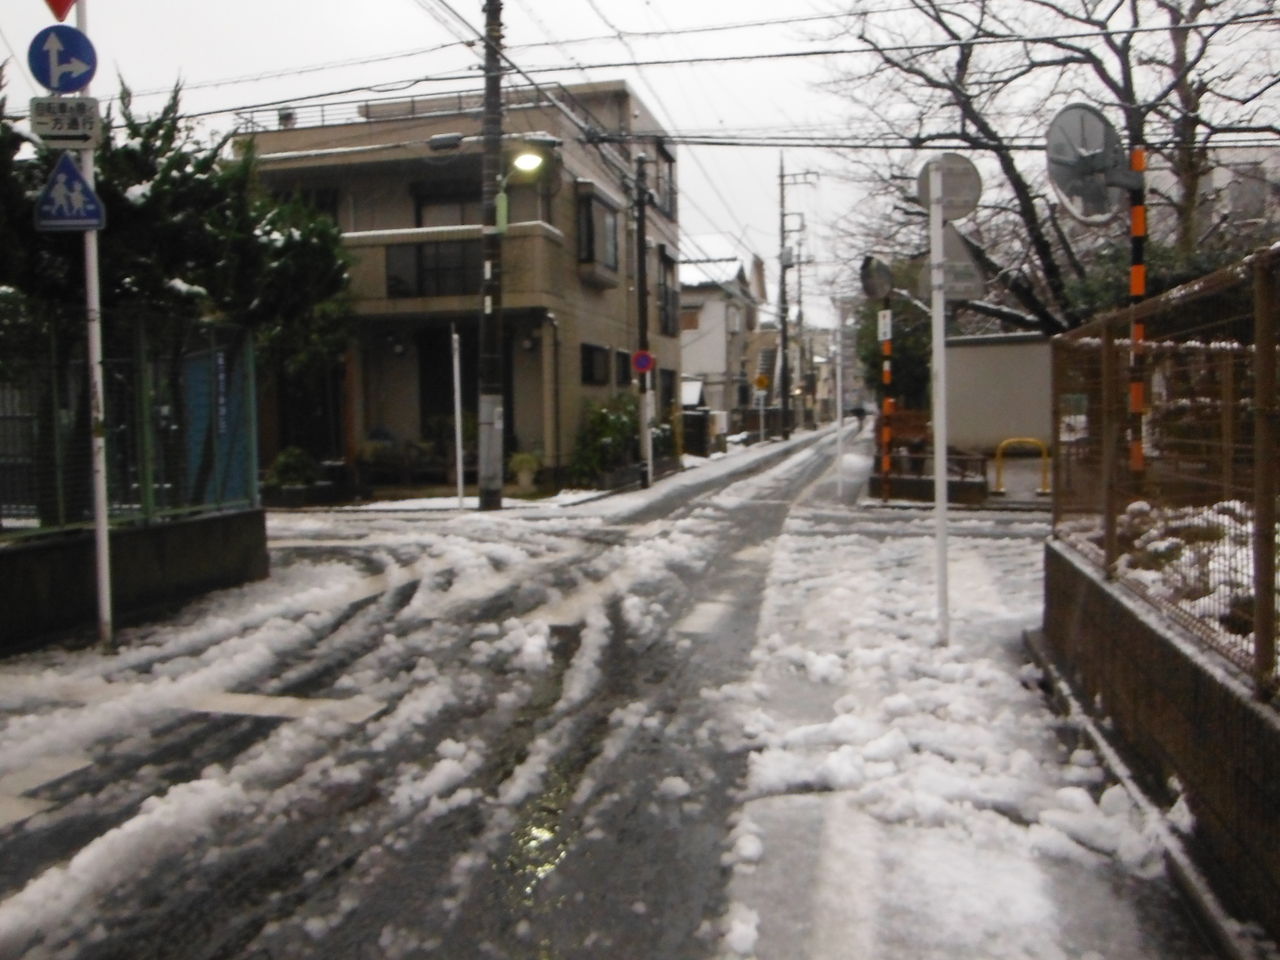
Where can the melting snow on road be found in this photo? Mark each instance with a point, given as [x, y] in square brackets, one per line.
[908, 799]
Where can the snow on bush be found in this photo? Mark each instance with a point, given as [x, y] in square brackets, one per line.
[1197, 559]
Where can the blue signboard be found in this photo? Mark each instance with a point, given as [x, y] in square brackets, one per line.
[67, 202]
[62, 59]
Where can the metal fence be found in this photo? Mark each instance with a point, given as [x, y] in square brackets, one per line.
[1165, 473]
[180, 433]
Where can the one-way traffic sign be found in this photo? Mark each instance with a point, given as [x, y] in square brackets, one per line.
[62, 59]
[67, 202]
[66, 122]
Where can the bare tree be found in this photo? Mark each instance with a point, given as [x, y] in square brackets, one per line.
[986, 76]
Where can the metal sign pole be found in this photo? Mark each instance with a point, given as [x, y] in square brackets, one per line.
[97, 405]
[937, 256]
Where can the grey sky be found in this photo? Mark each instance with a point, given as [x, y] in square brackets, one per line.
[235, 52]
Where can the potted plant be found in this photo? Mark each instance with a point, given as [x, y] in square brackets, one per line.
[524, 465]
[291, 478]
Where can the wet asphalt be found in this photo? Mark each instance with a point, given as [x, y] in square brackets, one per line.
[608, 857]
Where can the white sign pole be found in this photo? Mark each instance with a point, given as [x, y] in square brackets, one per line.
[839, 413]
[457, 412]
[937, 258]
[97, 404]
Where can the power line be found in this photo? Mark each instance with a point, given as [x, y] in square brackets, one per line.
[668, 116]
[562, 45]
[697, 60]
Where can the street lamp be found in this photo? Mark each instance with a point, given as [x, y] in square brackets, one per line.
[525, 162]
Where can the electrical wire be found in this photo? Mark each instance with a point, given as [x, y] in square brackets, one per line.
[694, 60]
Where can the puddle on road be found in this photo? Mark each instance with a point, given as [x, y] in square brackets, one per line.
[539, 844]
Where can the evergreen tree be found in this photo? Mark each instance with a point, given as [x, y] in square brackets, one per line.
[189, 240]
[191, 244]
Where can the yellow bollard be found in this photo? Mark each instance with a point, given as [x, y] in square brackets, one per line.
[1044, 490]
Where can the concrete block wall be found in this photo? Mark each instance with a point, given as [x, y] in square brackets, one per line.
[1176, 710]
[49, 584]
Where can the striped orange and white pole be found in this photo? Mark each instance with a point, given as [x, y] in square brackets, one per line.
[1137, 328]
[885, 332]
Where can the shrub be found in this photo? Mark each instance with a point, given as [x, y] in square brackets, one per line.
[293, 466]
[606, 440]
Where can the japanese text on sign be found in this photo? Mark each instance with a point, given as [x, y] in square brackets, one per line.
[63, 122]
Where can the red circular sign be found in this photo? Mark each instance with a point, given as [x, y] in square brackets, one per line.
[642, 360]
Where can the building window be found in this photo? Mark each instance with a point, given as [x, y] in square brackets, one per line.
[622, 368]
[450, 196]
[597, 230]
[666, 394]
[446, 268]
[1247, 192]
[449, 211]
[665, 182]
[595, 365]
[668, 294]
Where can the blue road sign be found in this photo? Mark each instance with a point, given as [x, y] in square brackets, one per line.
[67, 202]
[62, 59]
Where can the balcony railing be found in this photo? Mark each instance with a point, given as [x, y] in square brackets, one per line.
[443, 262]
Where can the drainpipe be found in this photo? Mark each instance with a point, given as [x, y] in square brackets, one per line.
[555, 395]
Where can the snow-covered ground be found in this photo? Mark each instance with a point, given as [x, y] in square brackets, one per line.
[903, 800]
[912, 800]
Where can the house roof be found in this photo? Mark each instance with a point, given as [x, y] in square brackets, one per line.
[717, 260]
[702, 273]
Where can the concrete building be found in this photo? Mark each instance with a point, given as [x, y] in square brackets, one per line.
[402, 179]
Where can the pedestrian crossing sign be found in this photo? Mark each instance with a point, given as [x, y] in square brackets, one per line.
[67, 202]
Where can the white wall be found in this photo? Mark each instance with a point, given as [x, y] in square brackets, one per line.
[998, 387]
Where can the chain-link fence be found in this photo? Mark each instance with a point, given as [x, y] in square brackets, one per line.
[1165, 474]
[179, 432]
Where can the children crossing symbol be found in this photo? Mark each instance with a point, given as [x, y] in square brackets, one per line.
[67, 202]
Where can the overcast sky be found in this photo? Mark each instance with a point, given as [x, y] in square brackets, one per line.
[234, 53]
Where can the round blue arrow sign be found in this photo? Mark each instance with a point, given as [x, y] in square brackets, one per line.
[62, 59]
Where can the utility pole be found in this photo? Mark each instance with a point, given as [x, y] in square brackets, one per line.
[785, 261]
[491, 417]
[642, 306]
[807, 399]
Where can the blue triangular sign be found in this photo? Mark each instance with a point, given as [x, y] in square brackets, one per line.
[67, 202]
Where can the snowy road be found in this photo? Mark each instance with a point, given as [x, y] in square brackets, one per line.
[698, 721]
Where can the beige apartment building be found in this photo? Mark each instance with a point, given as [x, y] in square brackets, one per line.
[402, 180]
